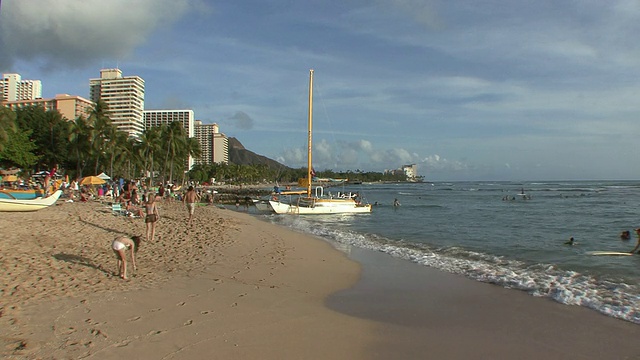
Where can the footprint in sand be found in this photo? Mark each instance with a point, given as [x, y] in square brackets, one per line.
[242, 295]
[123, 343]
[155, 332]
[154, 310]
[96, 332]
[181, 303]
[189, 322]
[205, 312]
[135, 318]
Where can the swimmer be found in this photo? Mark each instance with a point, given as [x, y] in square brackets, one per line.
[625, 235]
[570, 242]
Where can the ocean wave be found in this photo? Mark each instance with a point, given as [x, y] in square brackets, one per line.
[611, 297]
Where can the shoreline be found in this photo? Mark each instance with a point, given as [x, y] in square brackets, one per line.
[422, 310]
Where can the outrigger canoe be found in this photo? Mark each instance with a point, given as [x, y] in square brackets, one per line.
[21, 194]
[21, 205]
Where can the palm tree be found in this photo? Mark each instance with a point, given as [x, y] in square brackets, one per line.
[117, 145]
[149, 145]
[174, 138]
[54, 146]
[79, 142]
[191, 149]
[101, 122]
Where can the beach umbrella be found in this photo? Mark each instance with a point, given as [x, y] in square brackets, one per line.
[10, 178]
[104, 176]
[91, 180]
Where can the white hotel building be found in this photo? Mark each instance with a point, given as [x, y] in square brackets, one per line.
[124, 97]
[13, 88]
[165, 117]
[213, 143]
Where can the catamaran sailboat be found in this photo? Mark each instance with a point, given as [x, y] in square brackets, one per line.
[317, 202]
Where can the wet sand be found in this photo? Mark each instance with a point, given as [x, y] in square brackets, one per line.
[424, 313]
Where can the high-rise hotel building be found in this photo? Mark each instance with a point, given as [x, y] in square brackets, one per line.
[213, 143]
[13, 88]
[165, 117]
[124, 97]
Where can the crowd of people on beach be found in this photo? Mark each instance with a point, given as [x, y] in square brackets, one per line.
[136, 201]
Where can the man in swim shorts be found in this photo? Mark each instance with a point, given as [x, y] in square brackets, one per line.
[190, 199]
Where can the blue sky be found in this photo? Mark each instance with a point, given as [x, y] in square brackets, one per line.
[467, 90]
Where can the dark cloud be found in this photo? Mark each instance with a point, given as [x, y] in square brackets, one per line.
[241, 120]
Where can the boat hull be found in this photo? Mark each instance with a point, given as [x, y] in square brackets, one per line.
[25, 205]
[319, 207]
[262, 205]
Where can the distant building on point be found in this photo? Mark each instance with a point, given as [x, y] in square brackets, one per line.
[410, 171]
[13, 88]
[124, 97]
[213, 143]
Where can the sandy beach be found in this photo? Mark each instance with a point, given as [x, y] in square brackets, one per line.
[234, 287]
[228, 287]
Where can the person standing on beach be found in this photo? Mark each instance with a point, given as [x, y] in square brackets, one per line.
[119, 246]
[190, 199]
[152, 215]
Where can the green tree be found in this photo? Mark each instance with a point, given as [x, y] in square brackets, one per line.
[174, 139]
[149, 146]
[79, 143]
[18, 150]
[7, 124]
[117, 144]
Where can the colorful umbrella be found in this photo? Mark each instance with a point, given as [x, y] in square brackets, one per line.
[91, 180]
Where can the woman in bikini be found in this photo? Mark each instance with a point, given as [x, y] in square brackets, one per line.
[152, 215]
[120, 245]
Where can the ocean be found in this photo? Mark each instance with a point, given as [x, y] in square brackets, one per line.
[489, 232]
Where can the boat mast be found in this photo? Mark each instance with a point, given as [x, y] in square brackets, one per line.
[309, 163]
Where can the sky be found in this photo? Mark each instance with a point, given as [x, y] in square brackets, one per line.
[466, 89]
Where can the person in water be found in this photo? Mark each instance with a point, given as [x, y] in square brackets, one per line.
[638, 243]
[570, 242]
[396, 203]
[625, 235]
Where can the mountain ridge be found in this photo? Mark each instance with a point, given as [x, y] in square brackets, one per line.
[239, 155]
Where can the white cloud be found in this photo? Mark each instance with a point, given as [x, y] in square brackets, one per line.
[67, 33]
[437, 163]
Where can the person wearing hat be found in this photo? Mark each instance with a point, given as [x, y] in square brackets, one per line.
[638, 243]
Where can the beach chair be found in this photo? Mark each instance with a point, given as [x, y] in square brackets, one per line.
[116, 209]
